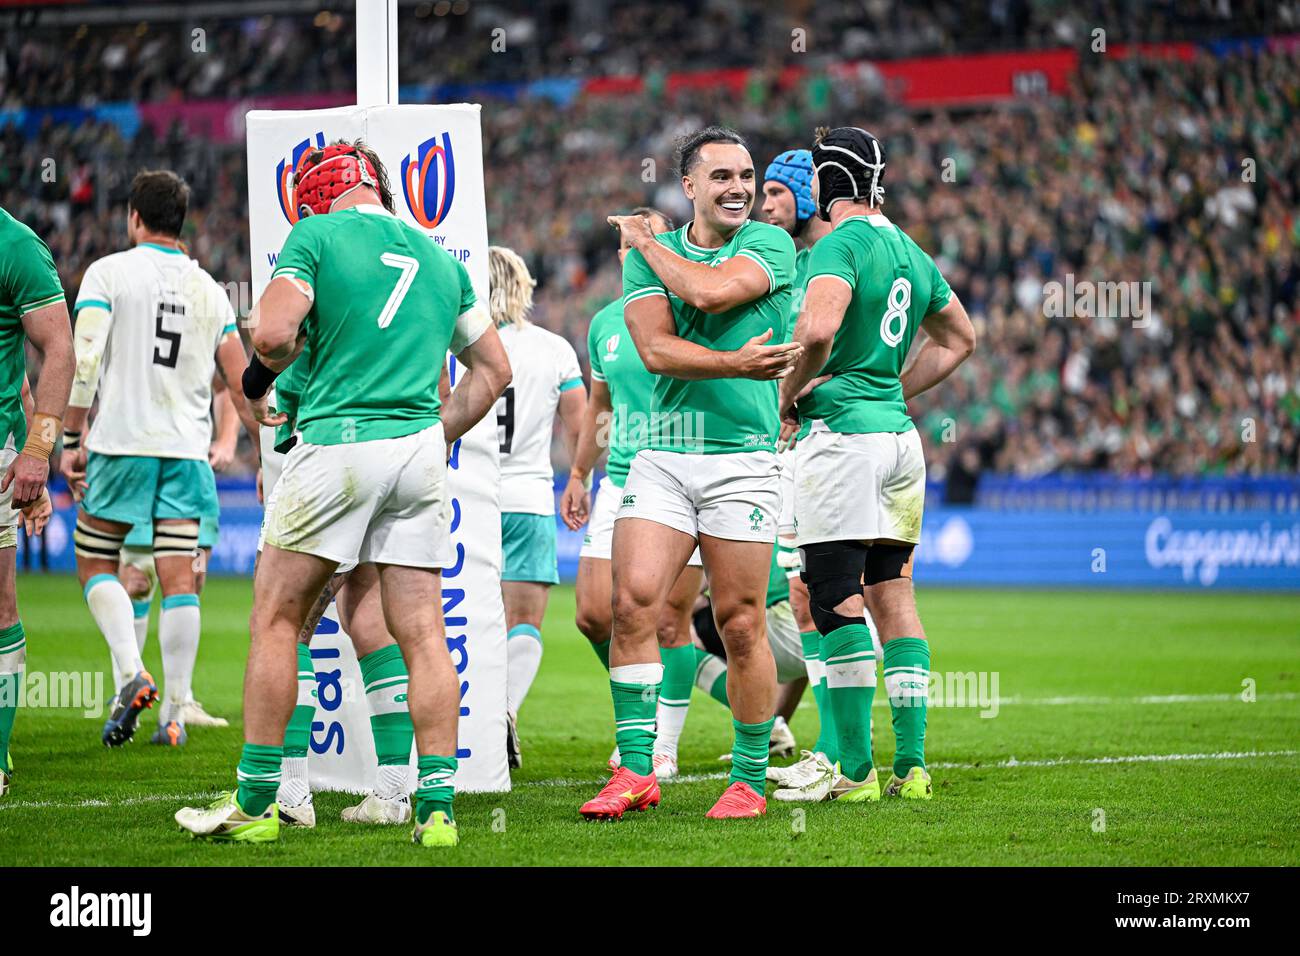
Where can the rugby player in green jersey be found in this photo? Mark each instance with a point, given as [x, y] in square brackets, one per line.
[379, 304]
[860, 485]
[32, 308]
[618, 417]
[702, 303]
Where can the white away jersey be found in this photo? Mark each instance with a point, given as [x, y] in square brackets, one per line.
[544, 365]
[167, 317]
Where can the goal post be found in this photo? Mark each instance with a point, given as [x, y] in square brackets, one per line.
[434, 158]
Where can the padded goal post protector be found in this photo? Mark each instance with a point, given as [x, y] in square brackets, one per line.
[434, 159]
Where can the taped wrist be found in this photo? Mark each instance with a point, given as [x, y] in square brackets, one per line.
[176, 540]
[41, 436]
[96, 544]
[257, 379]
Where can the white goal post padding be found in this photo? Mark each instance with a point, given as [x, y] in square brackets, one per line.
[434, 159]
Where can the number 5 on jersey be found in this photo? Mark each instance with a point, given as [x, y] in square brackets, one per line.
[409, 267]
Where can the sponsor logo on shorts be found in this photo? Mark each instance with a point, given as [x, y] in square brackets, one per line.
[756, 520]
[629, 501]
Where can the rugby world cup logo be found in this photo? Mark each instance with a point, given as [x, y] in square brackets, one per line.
[429, 181]
[284, 173]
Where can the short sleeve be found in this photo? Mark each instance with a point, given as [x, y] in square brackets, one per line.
[30, 278]
[568, 372]
[639, 280]
[940, 291]
[96, 288]
[593, 351]
[300, 256]
[833, 257]
[773, 250]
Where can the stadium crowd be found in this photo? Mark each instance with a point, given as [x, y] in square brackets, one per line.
[1183, 176]
[44, 61]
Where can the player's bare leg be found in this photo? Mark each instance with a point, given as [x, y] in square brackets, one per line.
[594, 616]
[525, 607]
[906, 655]
[738, 575]
[286, 586]
[678, 657]
[412, 602]
[293, 799]
[386, 682]
[648, 557]
[98, 545]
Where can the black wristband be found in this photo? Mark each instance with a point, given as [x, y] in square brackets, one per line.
[257, 378]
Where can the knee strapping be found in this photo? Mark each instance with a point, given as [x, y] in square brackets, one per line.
[179, 540]
[96, 543]
[824, 596]
[887, 562]
[833, 573]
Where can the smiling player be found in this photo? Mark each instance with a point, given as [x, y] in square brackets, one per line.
[701, 304]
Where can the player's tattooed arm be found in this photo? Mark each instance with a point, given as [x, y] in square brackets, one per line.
[575, 503]
[950, 340]
[487, 373]
[664, 352]
[708, 288]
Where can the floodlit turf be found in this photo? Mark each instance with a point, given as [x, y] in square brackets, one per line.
[1022, 787]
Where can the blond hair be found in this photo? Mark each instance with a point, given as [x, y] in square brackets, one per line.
[510, 287]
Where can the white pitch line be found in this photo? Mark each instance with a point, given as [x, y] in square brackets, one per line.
[1010, 763]
[883, 701]
[93, 802]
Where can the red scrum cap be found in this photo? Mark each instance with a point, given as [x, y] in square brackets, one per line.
[327, 175]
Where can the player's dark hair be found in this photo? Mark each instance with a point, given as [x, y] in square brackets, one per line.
[161, 198]
[650, 212]
[688, 147]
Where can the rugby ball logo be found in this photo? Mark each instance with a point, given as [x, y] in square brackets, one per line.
[429, 181]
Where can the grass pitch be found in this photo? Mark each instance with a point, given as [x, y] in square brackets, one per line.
[1121, 739]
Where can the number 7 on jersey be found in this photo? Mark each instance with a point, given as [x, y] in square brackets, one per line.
[409, 267]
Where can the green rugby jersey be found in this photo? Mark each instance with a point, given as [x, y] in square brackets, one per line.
[288, 393]
[384, 315]
[719, 415]
[616, 362]
[895, 285]
[28, 281]
[801, 260]
[800, 289]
